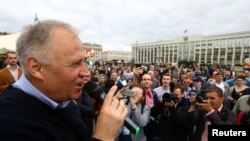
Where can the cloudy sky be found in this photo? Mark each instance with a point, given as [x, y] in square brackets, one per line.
[116, 24]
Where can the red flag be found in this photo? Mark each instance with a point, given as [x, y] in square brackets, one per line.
[88, 51]
[185, 31]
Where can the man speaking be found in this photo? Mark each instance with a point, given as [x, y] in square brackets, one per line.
[40, 105]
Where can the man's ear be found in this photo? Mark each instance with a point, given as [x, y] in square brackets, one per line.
[222, 99]
[35, 68]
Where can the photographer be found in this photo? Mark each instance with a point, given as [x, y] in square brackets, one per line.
[207, 110]
[169, 114]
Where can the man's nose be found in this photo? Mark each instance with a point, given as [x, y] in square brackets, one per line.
[84, 70]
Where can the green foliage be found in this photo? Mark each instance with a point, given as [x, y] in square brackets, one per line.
[238, 65]
[186, 63]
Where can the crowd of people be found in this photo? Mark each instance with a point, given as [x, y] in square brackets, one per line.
[42, 94]
[183, 101]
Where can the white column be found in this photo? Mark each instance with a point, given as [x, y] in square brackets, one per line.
[150, 59]
[182, 49]
[178, 52]
[179, 48]
[153, 52]
[212, 53]
[194, 51]
[161, 54]
[189, 51]
[164, 53]
[205, 59]
[233, 57]
[136, 54]
[200, 53]
[219, 49]
[226, 51]
[139, 55]
[242, 49]
[143, 55]
[173, 55]
[169, 53]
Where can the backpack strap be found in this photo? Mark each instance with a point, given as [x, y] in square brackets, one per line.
[239, 117]
[245, 118]
[143, 105]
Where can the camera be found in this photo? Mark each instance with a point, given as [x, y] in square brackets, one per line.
[201, 96]
[128, 93]
[167, 97]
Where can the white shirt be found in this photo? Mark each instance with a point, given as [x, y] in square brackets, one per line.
[13, 71]
[161, 90]
[221, 85]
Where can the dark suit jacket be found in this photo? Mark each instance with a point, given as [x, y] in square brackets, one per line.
[25, 118]
[197, 118]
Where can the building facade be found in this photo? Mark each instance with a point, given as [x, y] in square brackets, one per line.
[8, 41]
[223, 49]
[93, 52]
[116, 55]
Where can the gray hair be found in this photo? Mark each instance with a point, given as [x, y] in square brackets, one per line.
[37, 41]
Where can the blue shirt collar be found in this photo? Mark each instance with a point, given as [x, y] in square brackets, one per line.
[24, 84]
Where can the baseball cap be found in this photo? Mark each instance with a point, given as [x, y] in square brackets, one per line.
[197, 79]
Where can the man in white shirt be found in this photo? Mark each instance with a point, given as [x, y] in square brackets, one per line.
[164, 88]
[223, 85]
[11, 73]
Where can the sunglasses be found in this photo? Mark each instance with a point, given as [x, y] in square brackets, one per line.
[186, 82]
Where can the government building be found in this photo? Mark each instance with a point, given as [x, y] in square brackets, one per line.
[223, 49]
[120, 56]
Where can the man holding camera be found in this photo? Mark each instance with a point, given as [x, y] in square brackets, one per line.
[208, 109]
[169, 114]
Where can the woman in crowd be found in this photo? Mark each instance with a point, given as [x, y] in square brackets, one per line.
[236, 91]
